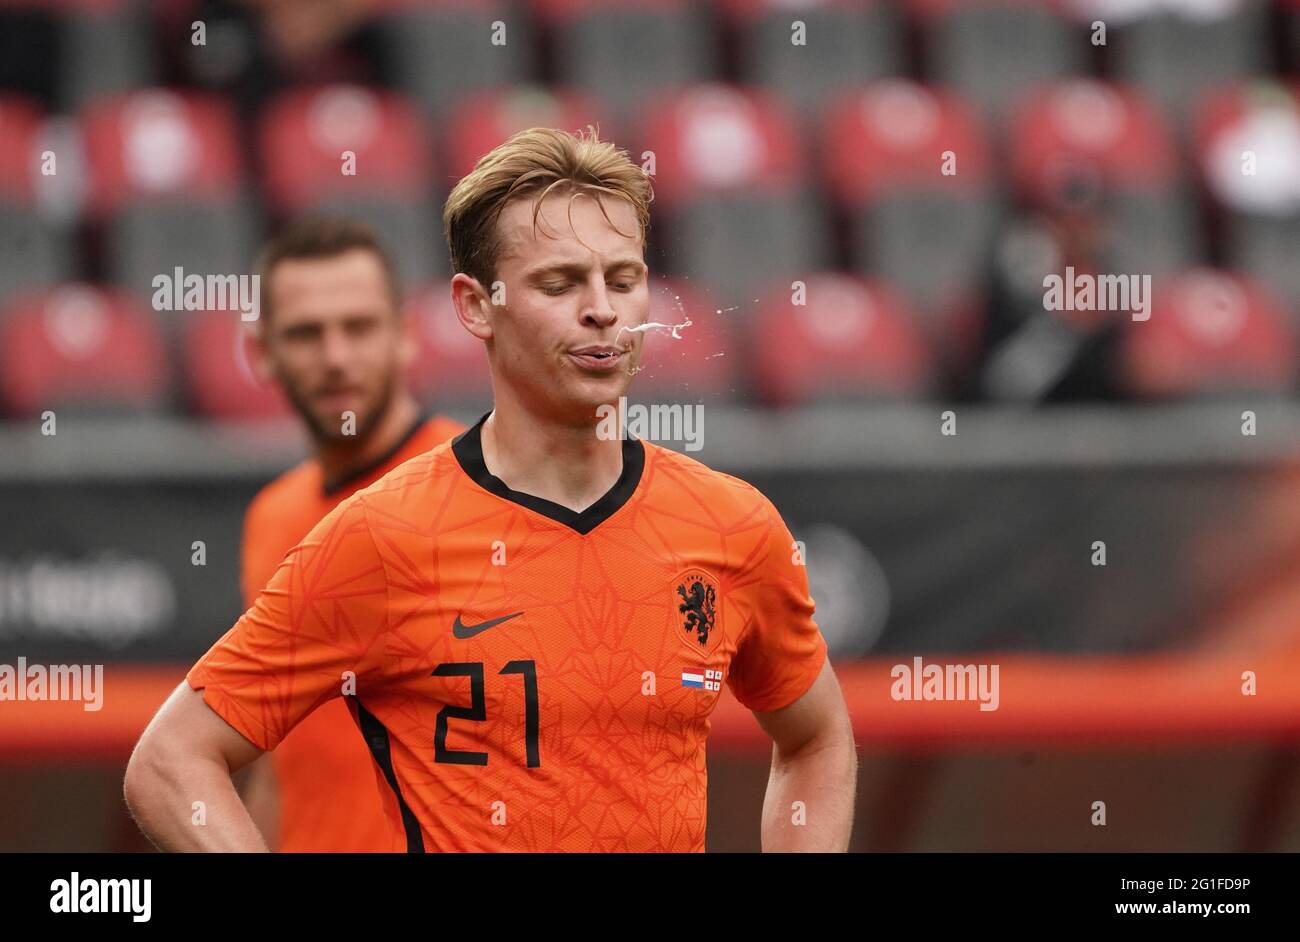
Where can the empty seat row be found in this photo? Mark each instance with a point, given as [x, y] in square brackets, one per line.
[835, 337]
[919, 181]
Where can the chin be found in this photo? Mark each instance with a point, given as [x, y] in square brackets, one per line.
[577, 405]
[330, 427]
[604, 393]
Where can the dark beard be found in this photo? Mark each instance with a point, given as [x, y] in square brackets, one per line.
[323, 434]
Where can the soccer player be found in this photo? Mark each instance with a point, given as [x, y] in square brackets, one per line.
[333, 335]
[532, 623]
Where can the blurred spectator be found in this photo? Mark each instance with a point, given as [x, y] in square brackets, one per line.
[1029, 353]
[1098, 189]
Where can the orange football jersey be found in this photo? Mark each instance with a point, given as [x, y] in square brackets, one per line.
[324, 774]
[528, 677]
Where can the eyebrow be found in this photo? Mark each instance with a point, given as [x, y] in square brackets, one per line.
[572, 268]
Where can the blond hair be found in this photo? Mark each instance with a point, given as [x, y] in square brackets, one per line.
[532, 162]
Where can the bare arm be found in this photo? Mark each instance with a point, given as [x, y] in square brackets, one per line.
[259, 791]
[814, 763]
[187, 754]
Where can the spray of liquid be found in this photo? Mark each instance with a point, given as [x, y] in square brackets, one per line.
[655, 325]
[674, 330]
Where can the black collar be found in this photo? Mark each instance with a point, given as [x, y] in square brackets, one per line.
[468, 449]
[330, 488]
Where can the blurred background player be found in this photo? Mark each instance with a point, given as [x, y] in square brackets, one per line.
[333, 336]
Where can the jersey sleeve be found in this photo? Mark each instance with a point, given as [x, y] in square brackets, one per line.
[247, 589]
[323, 613]
[782, 650]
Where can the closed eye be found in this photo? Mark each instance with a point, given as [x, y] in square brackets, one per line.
[557, 290]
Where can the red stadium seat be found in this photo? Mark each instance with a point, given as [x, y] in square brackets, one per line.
[853, 338]
[221, 381]
[360, 152]
[80, 347]
[451, 365]
[1248, 149]
[489, 118]
[703, 359]
[730, 178]
[1209, 332]
[20, 124]
[1107, 131]
[891, 136]
[303, 134]
[1085, 140]
[720, 138]
[167, 183]
[160, 144]
[883, 156]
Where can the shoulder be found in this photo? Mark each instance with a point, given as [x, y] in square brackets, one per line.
[440, 428]
[284, 495]
[424, 476]
[376, 522]
[726, 496]
[429, 435]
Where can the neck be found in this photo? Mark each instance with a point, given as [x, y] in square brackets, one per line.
[567, 465]
[338, 459]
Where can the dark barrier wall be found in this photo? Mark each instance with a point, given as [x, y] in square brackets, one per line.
[100, 571]
[1055, 560]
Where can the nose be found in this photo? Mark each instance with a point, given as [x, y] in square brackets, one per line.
[335, 348]
[596, 310]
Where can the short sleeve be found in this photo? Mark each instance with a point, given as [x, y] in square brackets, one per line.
[323, 613]
[782, 650]
[247, 589]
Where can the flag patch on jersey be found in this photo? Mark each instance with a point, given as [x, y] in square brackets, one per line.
[708, 680]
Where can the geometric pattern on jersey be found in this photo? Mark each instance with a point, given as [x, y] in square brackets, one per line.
[577, 720]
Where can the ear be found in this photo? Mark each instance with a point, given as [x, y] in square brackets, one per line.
[472, 305]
